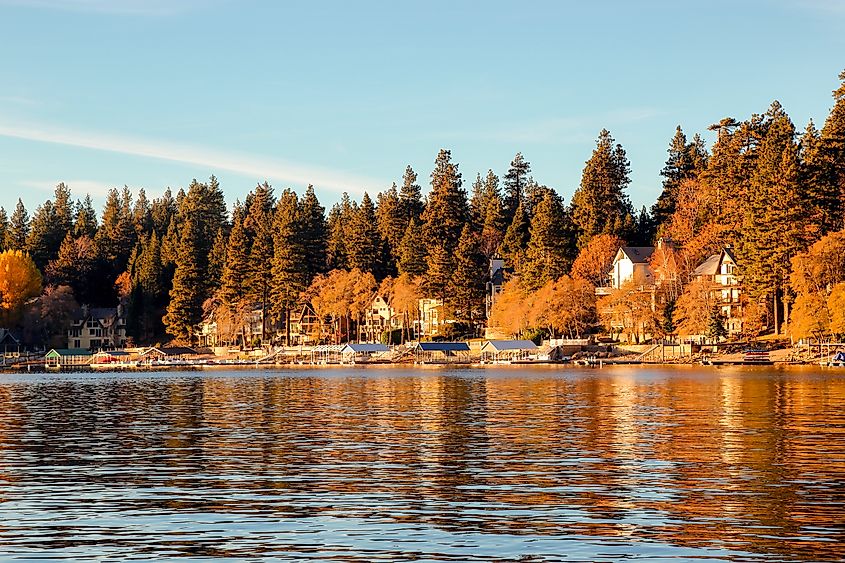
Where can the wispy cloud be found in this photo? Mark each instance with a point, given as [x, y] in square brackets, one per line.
[111, 7]
[557, 129]
[256, 167]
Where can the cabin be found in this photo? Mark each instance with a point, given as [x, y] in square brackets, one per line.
[379, 317]
[507, 350]
[441, 352]
[363, 353]
[305, 325]
[67, 358]
[721, 272]
[95, 328]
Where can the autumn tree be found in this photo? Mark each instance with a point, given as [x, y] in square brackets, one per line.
[20, 280]
[595, 260]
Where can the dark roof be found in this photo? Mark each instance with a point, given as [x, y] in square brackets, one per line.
[501, 345]
[365, 348]
[171, 351]
[443, 346]
[638, 254]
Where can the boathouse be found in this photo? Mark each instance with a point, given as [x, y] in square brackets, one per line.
[355, 353]
[441, 352]
[327, 354]
[59, 358]
[507, 350]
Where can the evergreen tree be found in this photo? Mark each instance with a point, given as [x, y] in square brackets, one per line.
[148, 294]
[259, 221]
[290, 270]
[162, 211]
[410, 195]
[600, 204]
[484, 191]
[716, 324]
[686, 161]
[437, 282]
[364, 242]
[184, 312]
[729, 170]
[142, 215]
[39, 243]
[217, 259]
[4, 228]
[774, 229]
[85, 221]
[549, 256]
[832, 158]
[534, 195]
[493, 228]
[63, 216]
[412, 257]
[313, 233]
[515, 182]
[116, 236]
[233, 279]
[339, 218]
[467, 283]
[447, 208]
[516, 238]
[392, 223]
[74, 266]
[205, 205]
[18, 228]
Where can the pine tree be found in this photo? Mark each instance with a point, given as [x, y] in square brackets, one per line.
[4, 228]
[217, 258]
[142, 215]
[162, 211]
[412, 256]
[685, 162]
[364, 242]
[515, 181]
[493, 228]
[410, 195]
[116, 236]
[233, 284]
[74, 266]
[290, 271]
[337, 225]
[63, 216]
[438, 278]
[833, 156]
[467, 283]
[600, 204]
[549, 254]
[392, 223]
[184, 312]
[774, 229]
[447, 209]
[516, 238]
[85, 220]
[18, 228]
[39, 243]
[314, 232]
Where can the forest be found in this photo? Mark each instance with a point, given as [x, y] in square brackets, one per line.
[772, 193]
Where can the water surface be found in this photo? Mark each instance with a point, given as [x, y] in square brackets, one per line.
[364, 464]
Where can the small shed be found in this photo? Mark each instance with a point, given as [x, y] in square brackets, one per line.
[354, 353]
[444, 352]
[327, 354]
[59, 358]
[507, 350]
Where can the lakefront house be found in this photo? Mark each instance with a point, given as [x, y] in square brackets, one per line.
[96, 328]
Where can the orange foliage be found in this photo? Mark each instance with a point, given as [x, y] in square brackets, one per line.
[565, 307]
[20, 281]
[511, 311]
[596, 258]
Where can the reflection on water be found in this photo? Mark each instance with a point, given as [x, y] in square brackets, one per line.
[387, 464]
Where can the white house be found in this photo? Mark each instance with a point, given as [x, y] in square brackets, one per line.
[721, 271]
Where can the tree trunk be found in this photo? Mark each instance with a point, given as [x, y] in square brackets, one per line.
[775, 312]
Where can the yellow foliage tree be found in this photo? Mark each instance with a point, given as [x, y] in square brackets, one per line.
[694, 308]
[512, 310]
[596, 258]
[564, 307]
[628, 310]
[20, 281]
[810, 316]
[836, 305]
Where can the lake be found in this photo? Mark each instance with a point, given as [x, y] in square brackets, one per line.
[388, 464]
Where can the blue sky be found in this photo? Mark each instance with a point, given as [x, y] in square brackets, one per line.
[102, 93]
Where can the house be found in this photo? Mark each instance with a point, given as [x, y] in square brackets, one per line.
[631, 263]
[497, 276]
[305, 325]
[380, 316]
[60, 358]
[721, 271]
[95, 328]
[432, 317]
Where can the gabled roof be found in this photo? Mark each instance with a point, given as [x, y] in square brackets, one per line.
[170, 351]
[637, 254]
[709, 267]
[502, 345]
[443, 346]
[327, 348]
[728, 251]
[65, 352]
[365, 348]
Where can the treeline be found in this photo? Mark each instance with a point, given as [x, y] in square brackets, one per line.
[762, 187]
